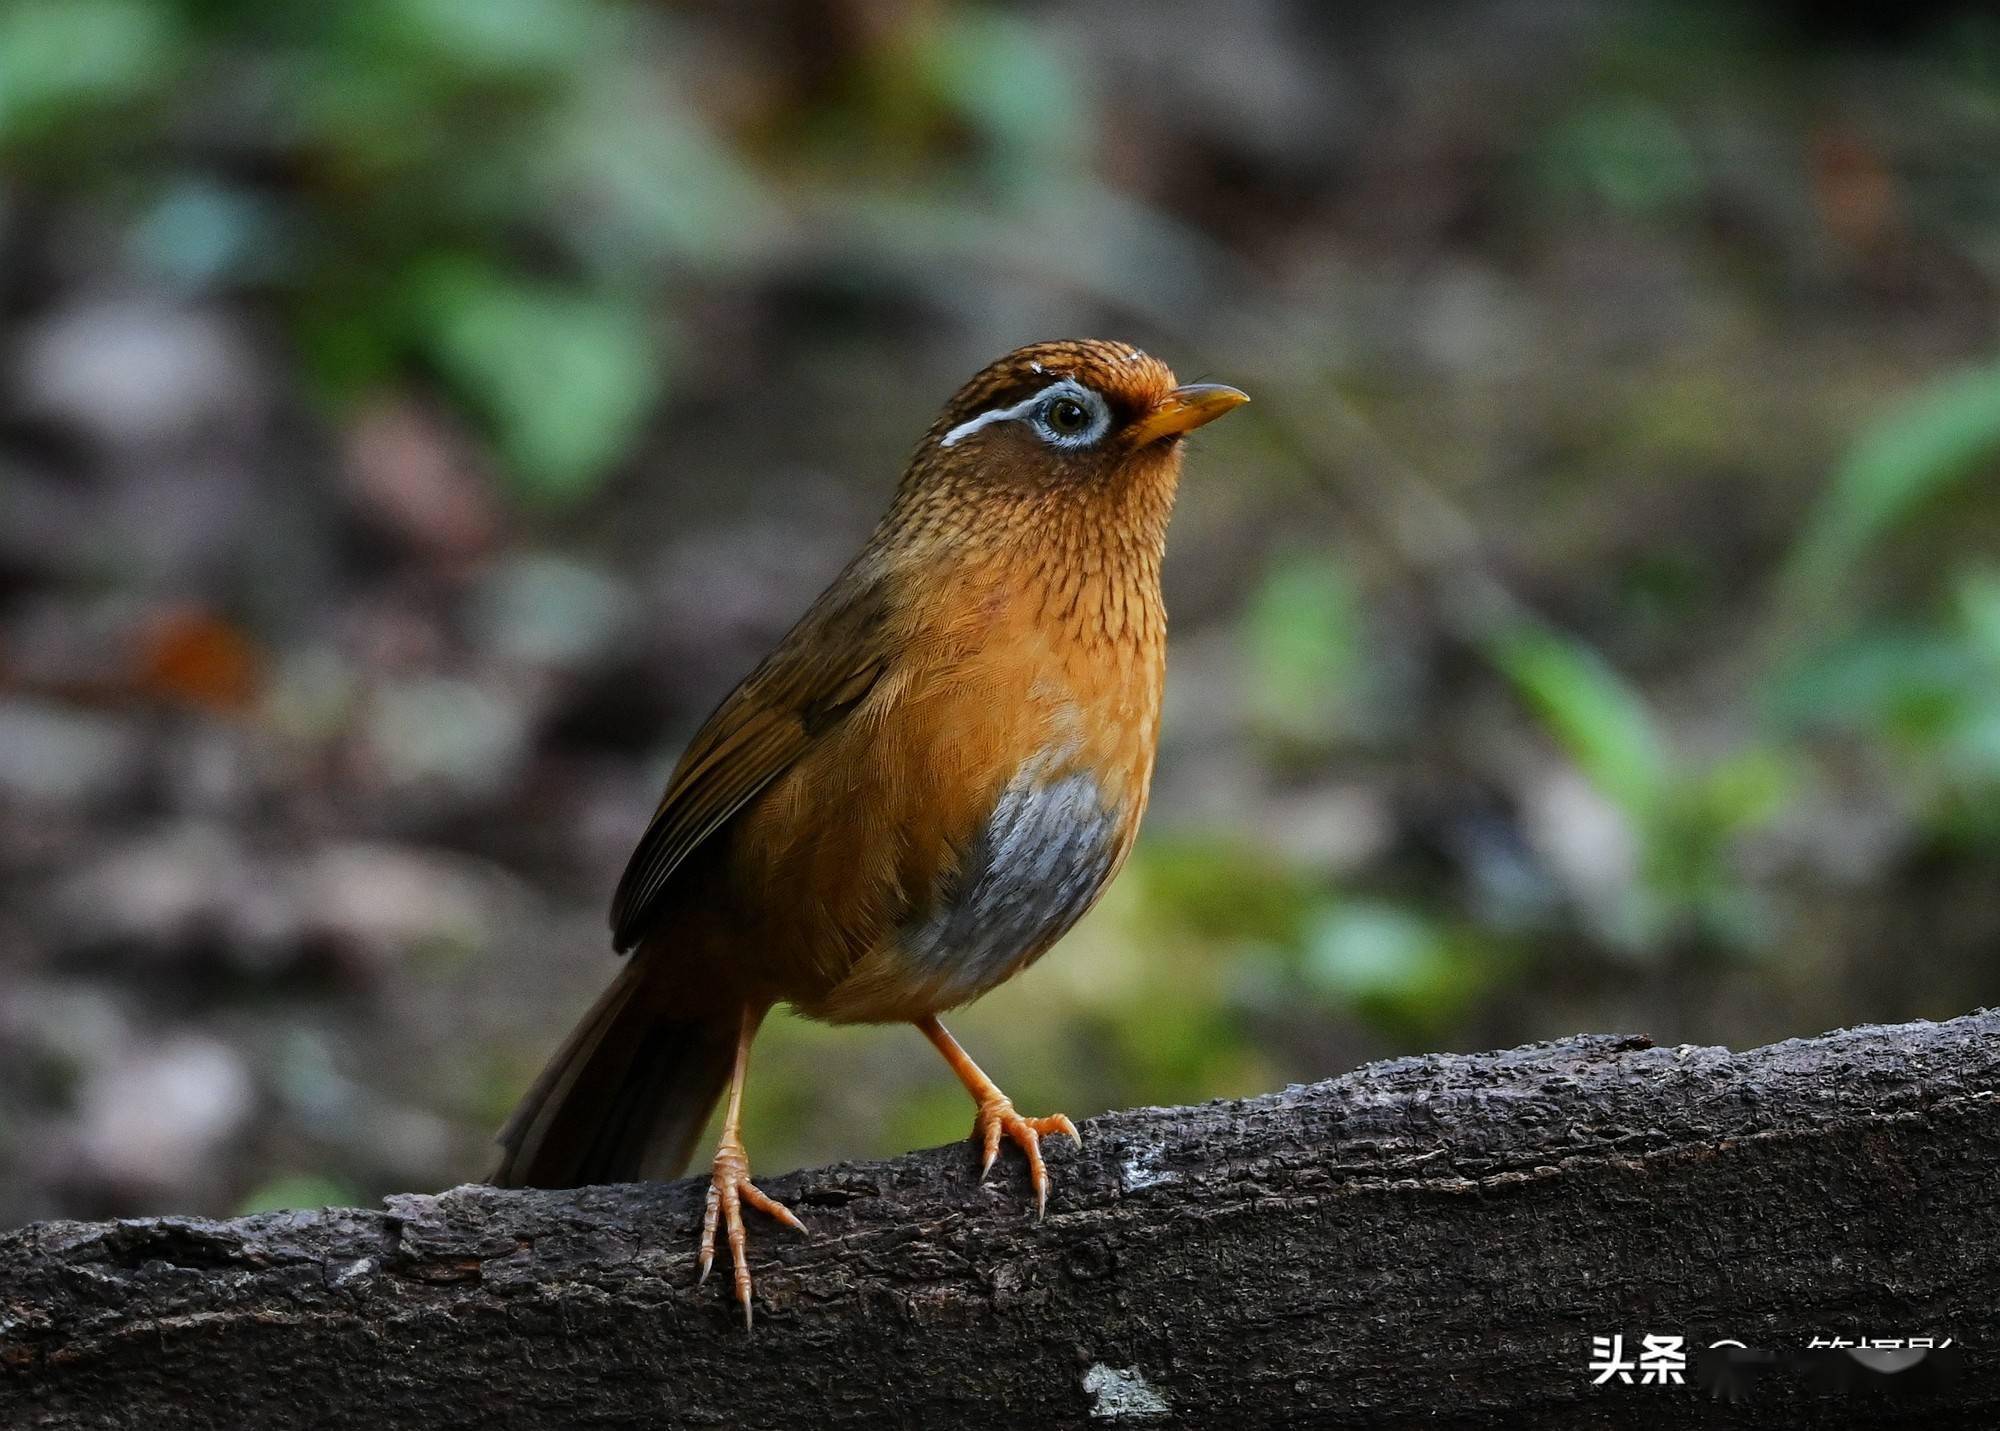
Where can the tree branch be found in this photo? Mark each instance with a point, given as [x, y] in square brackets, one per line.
[1429, 1239]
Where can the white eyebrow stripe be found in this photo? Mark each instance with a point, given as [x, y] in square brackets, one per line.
[1005, 414]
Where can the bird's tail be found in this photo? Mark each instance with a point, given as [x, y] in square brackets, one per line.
[625, 1097]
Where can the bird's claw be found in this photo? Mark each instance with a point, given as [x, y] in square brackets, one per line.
[997, 1115]
[729, 1187]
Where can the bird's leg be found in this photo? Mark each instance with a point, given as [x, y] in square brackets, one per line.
[729, 1185]
[996, 1114]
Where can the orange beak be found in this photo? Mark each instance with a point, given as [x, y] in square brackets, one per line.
[1186, 408]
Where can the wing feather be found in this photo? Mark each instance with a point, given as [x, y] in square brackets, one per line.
[821, 671]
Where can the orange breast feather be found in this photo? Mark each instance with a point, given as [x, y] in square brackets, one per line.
[967, 812]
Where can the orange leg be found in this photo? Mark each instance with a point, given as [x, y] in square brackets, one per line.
[996, 1114]
[729, 1184]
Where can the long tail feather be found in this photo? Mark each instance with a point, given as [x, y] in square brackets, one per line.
[625, 1097]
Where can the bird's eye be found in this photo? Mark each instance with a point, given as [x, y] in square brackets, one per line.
[1068, 416]
[1071, 416]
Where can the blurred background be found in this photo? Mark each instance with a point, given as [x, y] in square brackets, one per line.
[415, 414]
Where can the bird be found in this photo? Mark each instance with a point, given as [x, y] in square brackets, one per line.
[922, 788]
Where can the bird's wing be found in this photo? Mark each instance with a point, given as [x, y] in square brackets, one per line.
[820, 672]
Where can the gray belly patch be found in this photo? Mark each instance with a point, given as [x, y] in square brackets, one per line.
[1045, 852]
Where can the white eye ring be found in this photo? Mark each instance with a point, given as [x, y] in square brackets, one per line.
[1037, 410]
[1097, 415]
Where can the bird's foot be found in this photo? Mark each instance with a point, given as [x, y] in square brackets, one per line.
[729, 1187]
[996, 1116]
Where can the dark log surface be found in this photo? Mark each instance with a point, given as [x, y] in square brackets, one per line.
[1432, 1240]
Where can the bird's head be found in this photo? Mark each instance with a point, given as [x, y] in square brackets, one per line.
[1061, 423]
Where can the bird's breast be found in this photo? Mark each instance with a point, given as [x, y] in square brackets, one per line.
[973, 810]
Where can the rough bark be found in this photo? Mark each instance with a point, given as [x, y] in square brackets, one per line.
[1432, 1239]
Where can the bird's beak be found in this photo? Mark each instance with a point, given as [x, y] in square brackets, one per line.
[1186, 408]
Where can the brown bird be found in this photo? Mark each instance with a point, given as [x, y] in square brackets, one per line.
[930, 780]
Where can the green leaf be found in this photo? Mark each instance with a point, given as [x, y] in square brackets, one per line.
[1907, 680]
[1394, 966]
[1946, 432]
[1630, 153]
[1743, 792]
[1361, 947]
[296, 1190]
[1597, 717]
[1007, 75]
[563, 376]
[1979, 612]
[1222, 890]
[58, 56]
[1302, 632]
[498, 37]
[635, 175]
